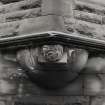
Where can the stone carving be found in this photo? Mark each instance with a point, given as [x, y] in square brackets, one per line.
[52, 53]
[52, 66]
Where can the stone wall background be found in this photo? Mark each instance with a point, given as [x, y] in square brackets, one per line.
[83, 17]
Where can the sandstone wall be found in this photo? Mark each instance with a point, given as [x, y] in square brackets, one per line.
[19, 17]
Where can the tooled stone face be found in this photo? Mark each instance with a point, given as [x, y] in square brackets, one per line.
[52, 66]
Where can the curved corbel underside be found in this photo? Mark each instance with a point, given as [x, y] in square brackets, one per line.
[40, 23]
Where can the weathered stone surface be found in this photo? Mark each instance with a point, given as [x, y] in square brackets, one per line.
[103, 28]
[40, 100]
[103, 20]
[95, 65]
[10, 69]
[21, 88]
[9, 1]
[7, 67]
[94, 84]
[76, 100]
[99, 2]
[69, 24]
[22, 5]
[8, 87]
[32, 25]
[99, 100]
[51, 7]
[89, 17]
[9, 29]
[6, 100]
[89, 29]
[9, 25]
[42, 24]
[84, 28]
[52, 100]
[19, 15]
[90, 7]
[2, 103]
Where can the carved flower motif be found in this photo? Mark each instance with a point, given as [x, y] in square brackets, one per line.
[52, 53]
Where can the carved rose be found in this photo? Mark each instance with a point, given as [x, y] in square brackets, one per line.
[52, 53]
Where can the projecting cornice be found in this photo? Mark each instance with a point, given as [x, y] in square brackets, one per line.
[29, 21]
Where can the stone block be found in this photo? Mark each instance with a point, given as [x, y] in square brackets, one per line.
[94, 84]
[2, 103]
[19, 15]
[84, 28]
[103, 28]
[42, 24]
[8, 1]
[76, 100]
[69, 24]
[90, 7]
[6, 99]
[103, 19]
[22, 5]
[89, 29]
[8, 87]
[95, 65]
[58, 7]
[32, 25]
[8, 29]
[89, 17]
[52, 100]
[99, 2]
[8, 66]
[39, 100]
[98, 100]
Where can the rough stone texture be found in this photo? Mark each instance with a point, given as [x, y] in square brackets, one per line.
[54, 100]
[51, 7]
[2, 103]
[95, 65]
[76, 100]
[19, 15]
[9, 1]
[99, 100]
[22, 5]
[90, 17]
[86, 18]
[42, 24]
[89, 7]
[70, 24]
[94, 84]
[89, 29]
[32, 25]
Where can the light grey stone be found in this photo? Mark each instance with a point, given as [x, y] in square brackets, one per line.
[58, 7]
